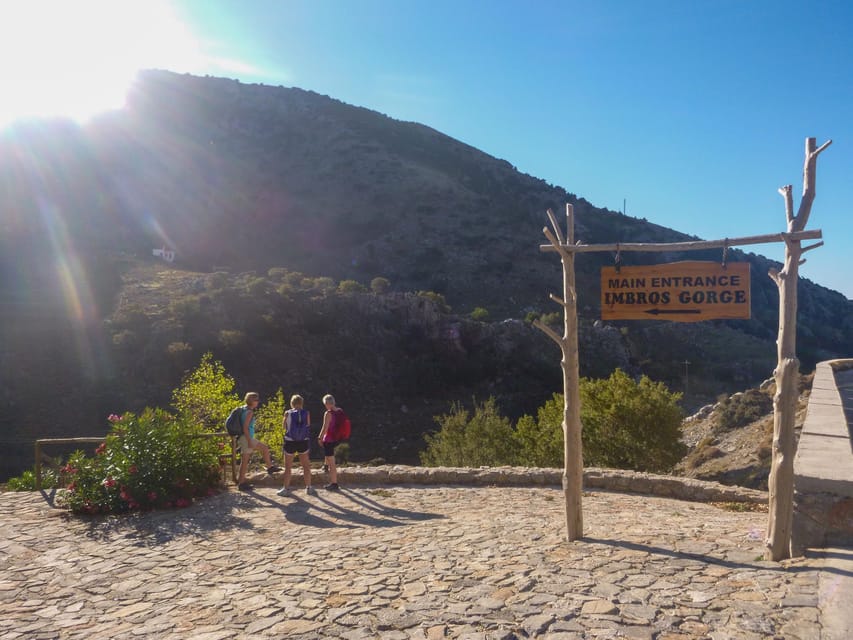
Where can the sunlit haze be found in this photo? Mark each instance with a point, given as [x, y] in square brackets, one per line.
[75, 59]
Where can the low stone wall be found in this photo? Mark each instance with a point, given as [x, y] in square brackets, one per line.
[593, 478]
[823, 468]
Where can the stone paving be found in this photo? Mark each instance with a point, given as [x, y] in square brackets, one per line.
[399, 563]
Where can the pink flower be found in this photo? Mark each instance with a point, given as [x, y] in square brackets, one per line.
[72, 486]
[132, 469]
[101, 448]
[114, 418]
[133, 505]
[152, 496]
[68, 469]
[182, 502]
[108, 482]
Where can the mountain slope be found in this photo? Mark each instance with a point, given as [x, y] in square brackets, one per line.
[249, 177]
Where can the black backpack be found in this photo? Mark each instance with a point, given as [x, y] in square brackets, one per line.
[234, 423]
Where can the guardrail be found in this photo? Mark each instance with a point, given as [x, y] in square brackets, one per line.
[223, 459]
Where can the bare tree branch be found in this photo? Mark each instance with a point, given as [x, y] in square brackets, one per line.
[821, 148]
[787, 193]
[559, 301]
[774, 274]
[556, 244]
[557, 230]
[549, 332]
[812, 246]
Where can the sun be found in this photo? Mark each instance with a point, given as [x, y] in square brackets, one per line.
[76, 58]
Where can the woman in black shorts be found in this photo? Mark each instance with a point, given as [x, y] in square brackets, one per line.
[297, 440]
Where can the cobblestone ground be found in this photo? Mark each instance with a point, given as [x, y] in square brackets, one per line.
[400, 563]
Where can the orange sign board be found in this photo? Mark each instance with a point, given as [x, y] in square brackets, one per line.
[679, 291]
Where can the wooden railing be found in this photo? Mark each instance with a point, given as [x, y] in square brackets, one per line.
[224, 459]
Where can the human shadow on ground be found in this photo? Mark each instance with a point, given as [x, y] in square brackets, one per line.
[697, 557]
[304, 512]
[392, 512]
[154, 528]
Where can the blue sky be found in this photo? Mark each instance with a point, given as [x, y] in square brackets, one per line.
[693, 111]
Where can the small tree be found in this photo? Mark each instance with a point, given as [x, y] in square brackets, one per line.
[484, 438]
[480, 314]
[269, 418]
[206, 394]
[380, 285]
[541, 440]
[351, 286]
[630, 425]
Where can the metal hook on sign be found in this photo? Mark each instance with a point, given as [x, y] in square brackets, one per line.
[725, 251]
[618, 259]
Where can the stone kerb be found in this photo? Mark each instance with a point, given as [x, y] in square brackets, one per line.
[594, 478]
[823, 467]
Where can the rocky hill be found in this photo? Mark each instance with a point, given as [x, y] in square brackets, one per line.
[250, 177]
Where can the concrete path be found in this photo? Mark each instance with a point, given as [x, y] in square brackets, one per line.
[399, 563]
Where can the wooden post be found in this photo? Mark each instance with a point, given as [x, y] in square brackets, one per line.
[781, 481]
[568, 343]
[38, 465]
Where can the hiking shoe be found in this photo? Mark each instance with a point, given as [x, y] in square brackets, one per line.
[284, 491]
[274, 469]
[245, 486]
[310, 491]
[333, 486]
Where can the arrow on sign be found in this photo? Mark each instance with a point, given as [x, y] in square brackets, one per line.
[657, 311]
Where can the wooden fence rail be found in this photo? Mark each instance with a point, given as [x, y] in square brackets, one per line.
[232, 459]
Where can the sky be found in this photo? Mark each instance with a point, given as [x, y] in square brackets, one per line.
[690, 113]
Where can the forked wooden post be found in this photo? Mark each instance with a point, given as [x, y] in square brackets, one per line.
[568, 343]
[781, 481]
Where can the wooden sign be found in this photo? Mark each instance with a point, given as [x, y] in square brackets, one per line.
[678, 291]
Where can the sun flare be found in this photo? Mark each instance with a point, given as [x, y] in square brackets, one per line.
[76, 59]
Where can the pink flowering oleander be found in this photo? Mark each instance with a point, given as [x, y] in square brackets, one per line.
[114, 418]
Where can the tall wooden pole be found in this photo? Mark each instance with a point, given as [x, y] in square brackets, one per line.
[781, 481]
[568, 343]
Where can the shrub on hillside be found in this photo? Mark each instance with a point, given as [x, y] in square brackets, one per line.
[471, 440]
[741, 409]
[437, 299]
[351, 286]
[480, 314]
[151, 460]
[630, 425]
[626, 424]
[231, 338]
[541, 440]
[380, 285]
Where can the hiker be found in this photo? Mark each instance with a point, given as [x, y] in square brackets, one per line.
[330, 436]
[297, 440]
[248, 444]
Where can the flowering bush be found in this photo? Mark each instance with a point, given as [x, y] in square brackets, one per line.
[151, 460]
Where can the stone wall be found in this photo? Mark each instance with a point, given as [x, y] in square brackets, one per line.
[594, 478]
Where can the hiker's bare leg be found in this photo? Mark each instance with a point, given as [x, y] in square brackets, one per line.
[265, 452]
[288, 464]
[306, 468]
[244, 466]
[333, 470]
